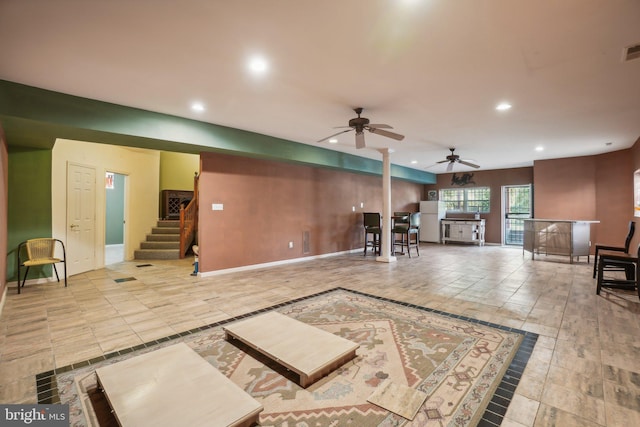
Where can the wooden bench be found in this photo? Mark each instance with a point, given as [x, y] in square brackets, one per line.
[174, 386]
[306, 350]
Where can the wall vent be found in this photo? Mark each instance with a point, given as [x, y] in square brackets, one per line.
[632, 52]
[305, 242]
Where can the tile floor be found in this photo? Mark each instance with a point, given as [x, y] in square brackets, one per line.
[113, 254]
[584, 371]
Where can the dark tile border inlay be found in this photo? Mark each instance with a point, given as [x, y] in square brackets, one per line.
[47, 387]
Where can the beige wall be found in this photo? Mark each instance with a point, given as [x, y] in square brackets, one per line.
[268, 204]
[4, 185]
[177, 170]
[142, 168]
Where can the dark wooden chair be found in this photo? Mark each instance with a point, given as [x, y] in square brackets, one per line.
[630, 264]
[371, 221]
[623, 249]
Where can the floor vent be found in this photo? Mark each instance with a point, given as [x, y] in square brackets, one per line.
[305, 242]
[143, 265]
[125, 279]
[632, 52]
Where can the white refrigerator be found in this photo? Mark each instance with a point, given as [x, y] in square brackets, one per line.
[431, 212]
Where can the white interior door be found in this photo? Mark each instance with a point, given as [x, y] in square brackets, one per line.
[81, 218]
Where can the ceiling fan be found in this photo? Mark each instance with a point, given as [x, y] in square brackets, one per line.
[454, 158]
[359, 124]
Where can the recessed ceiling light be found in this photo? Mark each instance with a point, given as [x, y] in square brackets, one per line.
[539, 148]
[333, 141]
[503, 106]
[258, 65]
[413, 162]
[197, 106]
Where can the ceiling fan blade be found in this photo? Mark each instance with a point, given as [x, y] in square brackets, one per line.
[359, 140]
[380, 126]
[386, 133]
[442, 161]
[450, 166]
[335, 134]
[463, 162]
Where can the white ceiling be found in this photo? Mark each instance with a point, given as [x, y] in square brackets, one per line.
[432, 69]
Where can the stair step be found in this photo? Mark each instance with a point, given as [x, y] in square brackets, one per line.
[163, 237]
[157, 254]
[165, 230]
[168, 223]
[160, 245]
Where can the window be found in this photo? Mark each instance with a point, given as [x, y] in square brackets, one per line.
[469, 200]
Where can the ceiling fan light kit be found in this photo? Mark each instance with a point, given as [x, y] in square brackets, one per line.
[360, 124]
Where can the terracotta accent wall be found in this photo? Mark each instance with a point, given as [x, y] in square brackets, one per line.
[267, 204]
[565, 188]
[495, 180]
[635, 162]
[4, 203]
[614, 197]
[596, 187]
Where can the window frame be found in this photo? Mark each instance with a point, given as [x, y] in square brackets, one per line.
[466, 204]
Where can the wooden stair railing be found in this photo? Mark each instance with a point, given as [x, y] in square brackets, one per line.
[189, 220]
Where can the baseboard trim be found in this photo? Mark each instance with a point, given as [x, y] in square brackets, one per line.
[37, 281]
[274, 263]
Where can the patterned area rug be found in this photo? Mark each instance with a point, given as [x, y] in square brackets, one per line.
[458, 362]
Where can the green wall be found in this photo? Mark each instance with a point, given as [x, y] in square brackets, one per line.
[29, 210]
[38, 116]
[114, 230]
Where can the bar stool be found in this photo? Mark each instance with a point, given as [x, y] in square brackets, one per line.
[407, 229]
[371, 221]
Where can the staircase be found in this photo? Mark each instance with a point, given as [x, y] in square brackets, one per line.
[162, 243]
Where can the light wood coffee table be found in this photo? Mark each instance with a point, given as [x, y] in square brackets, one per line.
[174, 386]
[304, 349]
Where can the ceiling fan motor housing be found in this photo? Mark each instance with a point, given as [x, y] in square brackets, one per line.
[358, 122]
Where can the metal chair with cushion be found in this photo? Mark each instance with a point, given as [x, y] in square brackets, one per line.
[613, 266]
[371, 222]
[628, 263]
[40, 252]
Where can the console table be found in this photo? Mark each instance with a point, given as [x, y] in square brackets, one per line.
[557, 237]
[463, 230]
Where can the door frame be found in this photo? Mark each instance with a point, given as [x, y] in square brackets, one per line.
[125, 213]
[504, 213]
